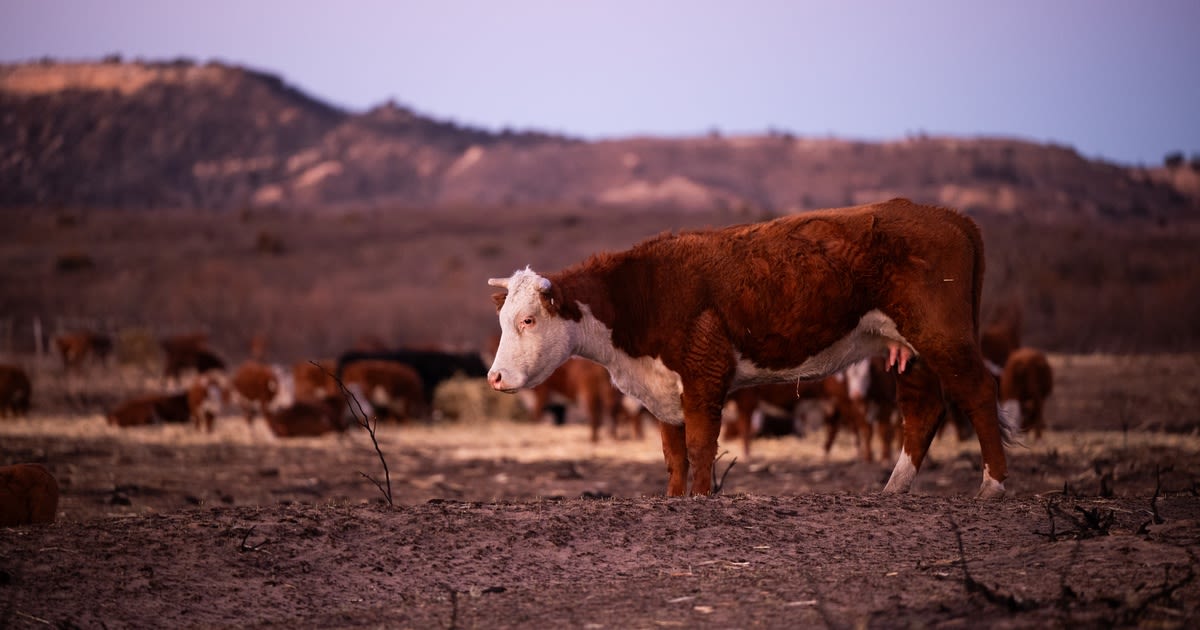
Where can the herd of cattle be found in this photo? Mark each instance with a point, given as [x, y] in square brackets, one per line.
[310, 397]
[872, 311]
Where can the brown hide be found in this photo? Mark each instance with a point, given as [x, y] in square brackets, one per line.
[15, 391]
[314, 382]
[74, 347]
[1000, 337]
[308, 418]
[150, 409]
[255, 385]
[400, 386]
[198, 395]
[190, 351]
[28, 494]
[1028, 380]
[779, 292]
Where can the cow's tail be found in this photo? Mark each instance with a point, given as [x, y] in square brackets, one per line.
[1009, 414]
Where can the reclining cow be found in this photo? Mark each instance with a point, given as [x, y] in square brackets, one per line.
[681, 320]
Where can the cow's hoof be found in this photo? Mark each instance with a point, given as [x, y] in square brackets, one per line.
[990, 490]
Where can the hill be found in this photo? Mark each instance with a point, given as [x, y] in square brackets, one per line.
[180, 134]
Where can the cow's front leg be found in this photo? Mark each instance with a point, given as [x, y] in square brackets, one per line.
[701, 433]
[675, 453]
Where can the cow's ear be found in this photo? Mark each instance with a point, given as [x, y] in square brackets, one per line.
[498, 298]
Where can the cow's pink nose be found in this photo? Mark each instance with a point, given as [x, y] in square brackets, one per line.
[494, 379]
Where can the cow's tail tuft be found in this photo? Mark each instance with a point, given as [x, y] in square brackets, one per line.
[1009, 414]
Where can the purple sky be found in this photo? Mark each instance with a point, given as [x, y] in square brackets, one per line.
[1114, 79]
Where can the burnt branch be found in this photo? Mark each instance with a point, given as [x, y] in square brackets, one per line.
[1155, 517]
[243, 547]
[1009, 602]
[719, 485]
[368, 423]
[1090, 523]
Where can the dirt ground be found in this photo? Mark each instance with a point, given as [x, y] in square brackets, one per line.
[503, 523]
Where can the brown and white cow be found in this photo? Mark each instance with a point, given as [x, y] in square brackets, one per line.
[1026, 383]
[254, 386]
[207, 395]
[681, 320]
[314, 381]
[15, 391]
[393, 388]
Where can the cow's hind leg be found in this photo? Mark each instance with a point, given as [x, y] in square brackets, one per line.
[920, 399]
[970, 390]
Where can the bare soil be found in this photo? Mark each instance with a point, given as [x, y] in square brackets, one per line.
[507, 523]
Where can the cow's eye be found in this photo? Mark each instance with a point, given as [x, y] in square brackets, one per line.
[528, 321]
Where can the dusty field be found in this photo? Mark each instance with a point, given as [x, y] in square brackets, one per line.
[499, 523]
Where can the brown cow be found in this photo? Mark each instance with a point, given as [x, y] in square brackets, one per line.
[587, 384]
[308, 418]
[28, 494]
[681, 320]
[190, 351]
[16, 392]
[394, 388]
[150, 409]
[778, 402]
[882, 412]
[999, 338]
[76, 346]
[314, 382]
[206, 397]
[1026, 383]
[254, 386]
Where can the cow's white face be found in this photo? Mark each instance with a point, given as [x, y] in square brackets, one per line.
[533, 342]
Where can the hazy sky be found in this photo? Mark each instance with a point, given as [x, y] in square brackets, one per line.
[1114, 79]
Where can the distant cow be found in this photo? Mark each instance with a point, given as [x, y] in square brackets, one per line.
[308, 418]
[206, 397]
[588, 385]
[314, 382]
[253, 387]
[74, 347]
[880, 398]
[191, 351]
[28, 495]
[778, 404]
[394, 388]
[681, 320]
[999, 338]
[1027, 382]
[150, 409]
[16, 392]
[432, 365]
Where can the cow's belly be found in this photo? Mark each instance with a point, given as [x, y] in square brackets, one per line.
[873, 335]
